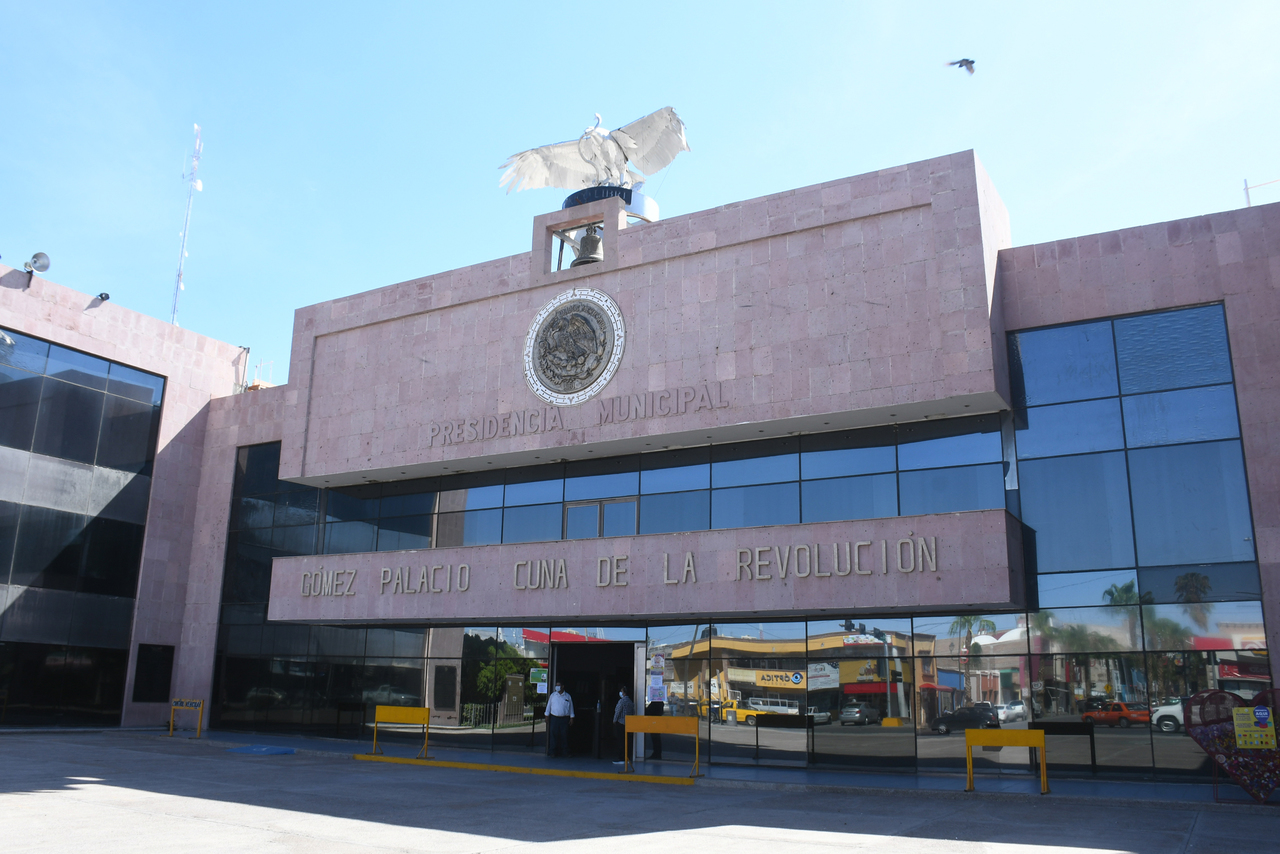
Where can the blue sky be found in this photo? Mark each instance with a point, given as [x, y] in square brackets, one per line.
[350, 146]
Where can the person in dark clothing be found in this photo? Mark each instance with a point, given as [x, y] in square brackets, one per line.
[625, 707]
[654, 709]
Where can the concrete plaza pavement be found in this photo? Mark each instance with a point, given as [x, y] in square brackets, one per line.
[141, 792]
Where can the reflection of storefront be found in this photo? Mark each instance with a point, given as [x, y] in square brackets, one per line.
[884, 683]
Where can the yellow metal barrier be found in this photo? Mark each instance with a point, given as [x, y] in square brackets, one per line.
[175, 705]
[893, 721]
[662, 726]
[1005, 738]
[402, 715]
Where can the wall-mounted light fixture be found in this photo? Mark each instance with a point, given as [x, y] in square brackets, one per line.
[38, 264]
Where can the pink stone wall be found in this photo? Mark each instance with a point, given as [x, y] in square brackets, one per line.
[1231, 257]
[864, 300]
[196, 369]
[251, 418]
[740, 573]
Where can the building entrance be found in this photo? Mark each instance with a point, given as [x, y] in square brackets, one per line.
[592, 673]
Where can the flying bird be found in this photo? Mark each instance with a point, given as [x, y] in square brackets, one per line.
[966, 64]
[600, 157]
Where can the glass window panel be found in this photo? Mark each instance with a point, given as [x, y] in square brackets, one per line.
[404, 532]
[20, 351]
[1190, 504]
[685, 641]
[751, 506]
[257, 467]
[1205, 626]
[676, 479]
[1071, 428]
[948, 635]
[294, 540]
[469, 528]
[1063, 364]
[1068, 589]
[352, 503]
[297, 508]
[870, 497]
[1190, 415]
[79, 368]
[112, 557]
[676, 471]
[349, 537]
[248, 572]
[9, 513]
[958, 442]
[534, 492]
[847, 461]
[776, 469]
[19, 401]
[532, 523]
[49, 548]
[582, 522]
[951, 490]
[675, 511]
[1076, 686]
[68, 422]
[1221, 582]
[129, 430]
[252, 512]
[619, 519]
[474, 498]
[1173, 349]
[1078, 508]
[860, 637]
[1101, 629]
[602, 486]
[135, 384]
[408, 504]
[631, 634]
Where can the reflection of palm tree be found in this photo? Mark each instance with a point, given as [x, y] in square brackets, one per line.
[1164, 633]
[1080, 643]
[967, 625]
[1191, 588]
[1126, 596]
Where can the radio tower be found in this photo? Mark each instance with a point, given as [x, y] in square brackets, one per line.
[194, 186]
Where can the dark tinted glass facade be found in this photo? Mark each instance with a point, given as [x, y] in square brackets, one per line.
[77, 444]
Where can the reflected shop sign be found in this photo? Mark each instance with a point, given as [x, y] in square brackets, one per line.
[929, 563]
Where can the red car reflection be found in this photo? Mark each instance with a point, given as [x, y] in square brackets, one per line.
[1119, 714]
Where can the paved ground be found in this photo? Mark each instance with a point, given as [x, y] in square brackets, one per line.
[140, 793]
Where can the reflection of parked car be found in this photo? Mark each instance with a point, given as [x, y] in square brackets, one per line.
[1011, 713]
[385, 695]
[1167, 717]
[1119, 714]
[262, 697]
[859, 714]
[969, 717]
[819, 717]
[1019, 707]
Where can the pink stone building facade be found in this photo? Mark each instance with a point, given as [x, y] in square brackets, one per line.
[853, 410]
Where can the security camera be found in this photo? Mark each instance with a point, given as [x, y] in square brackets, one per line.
[104, 296]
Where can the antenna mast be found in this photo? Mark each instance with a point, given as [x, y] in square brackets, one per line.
[194, 185]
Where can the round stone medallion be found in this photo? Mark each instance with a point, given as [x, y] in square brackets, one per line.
[574, 347]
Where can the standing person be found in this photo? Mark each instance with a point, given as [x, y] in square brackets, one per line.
[559, 717]
[625, 707]
[654, 709]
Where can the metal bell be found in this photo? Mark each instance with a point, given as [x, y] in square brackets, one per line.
[589, 251]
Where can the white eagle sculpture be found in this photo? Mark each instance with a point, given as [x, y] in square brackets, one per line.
[600, 157]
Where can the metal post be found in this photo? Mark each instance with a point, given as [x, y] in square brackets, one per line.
[1247, 203]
